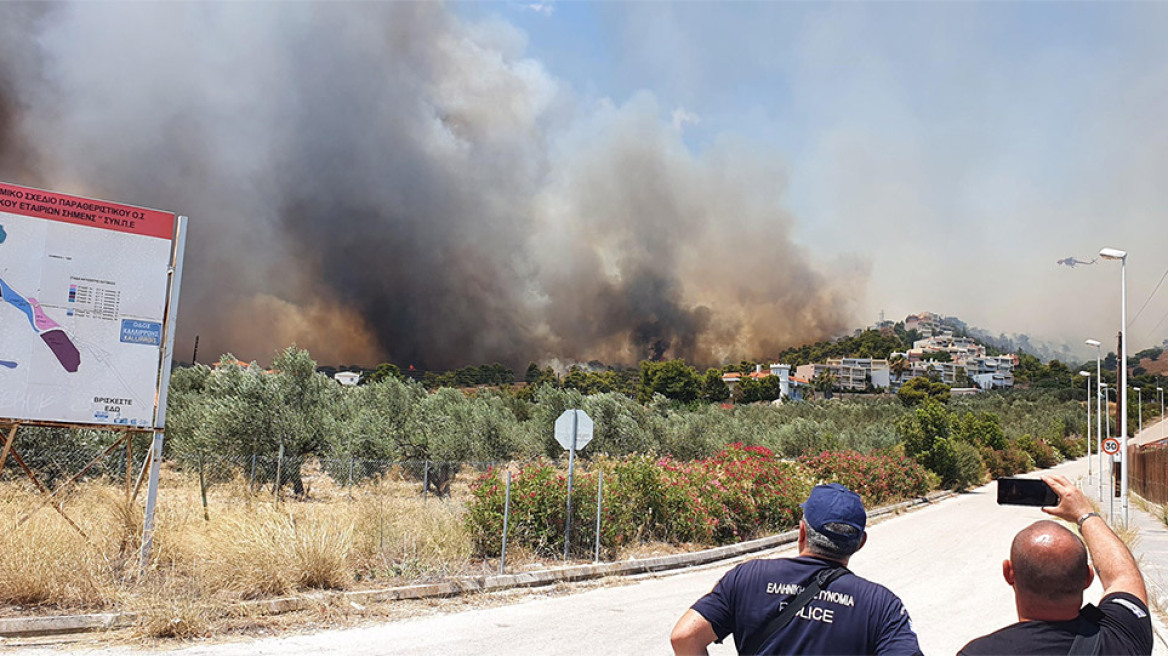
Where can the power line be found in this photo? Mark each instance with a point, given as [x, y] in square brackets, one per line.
[1153, 330]
[1134, 319]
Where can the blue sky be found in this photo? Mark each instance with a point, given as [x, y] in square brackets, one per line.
[955, 149]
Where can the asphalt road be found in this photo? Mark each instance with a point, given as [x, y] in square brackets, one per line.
[944, 561]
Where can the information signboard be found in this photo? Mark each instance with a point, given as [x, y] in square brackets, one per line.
[84, 289]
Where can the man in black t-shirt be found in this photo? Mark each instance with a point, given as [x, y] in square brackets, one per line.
[1048, 571]
[850, 616]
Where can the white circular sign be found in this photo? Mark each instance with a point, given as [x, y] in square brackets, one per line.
[1111, 446]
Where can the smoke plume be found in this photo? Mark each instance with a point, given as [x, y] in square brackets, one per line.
[388, 182]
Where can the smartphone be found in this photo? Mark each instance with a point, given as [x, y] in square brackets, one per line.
[1025, 492]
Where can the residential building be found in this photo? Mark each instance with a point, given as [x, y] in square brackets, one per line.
[790, 386]
[851, 374]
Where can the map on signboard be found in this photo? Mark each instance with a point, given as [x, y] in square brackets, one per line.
[83, 288]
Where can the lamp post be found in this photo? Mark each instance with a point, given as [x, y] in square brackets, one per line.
[1098, 410]
[1107, 391]
[1110, 459]
[1088, 377]
[1116, 254]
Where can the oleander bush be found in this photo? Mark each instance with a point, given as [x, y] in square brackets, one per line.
[878, 479]
[742, 492]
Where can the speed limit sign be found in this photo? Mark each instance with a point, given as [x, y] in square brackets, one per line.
[1111, 446]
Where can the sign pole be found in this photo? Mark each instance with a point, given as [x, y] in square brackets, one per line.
[599, 502]
[506, 517]
[573, 431]
[163, 387]
[571, 468]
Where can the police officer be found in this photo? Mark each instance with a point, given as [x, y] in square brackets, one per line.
[850, 615]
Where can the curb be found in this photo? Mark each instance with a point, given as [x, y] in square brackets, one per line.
[61, 624]
[1157, 593]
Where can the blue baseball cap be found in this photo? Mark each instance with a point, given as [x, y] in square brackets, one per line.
[834, 504]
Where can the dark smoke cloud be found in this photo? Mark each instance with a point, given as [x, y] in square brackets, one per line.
[19, 54]
[386, 182]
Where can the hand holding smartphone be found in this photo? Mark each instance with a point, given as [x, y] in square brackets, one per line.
[1026, 492]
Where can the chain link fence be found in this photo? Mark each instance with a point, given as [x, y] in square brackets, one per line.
[47, 459]
[85, 475]
[322, 478]
[52, 463]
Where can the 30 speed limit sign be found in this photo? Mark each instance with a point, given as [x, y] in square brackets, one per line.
[1111, 446]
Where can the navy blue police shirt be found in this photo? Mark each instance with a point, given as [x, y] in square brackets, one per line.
[852, 616]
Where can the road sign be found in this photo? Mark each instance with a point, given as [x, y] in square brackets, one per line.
[573, 432]
[1111, 446]
[583, 427]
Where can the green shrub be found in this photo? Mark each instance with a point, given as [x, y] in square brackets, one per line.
[1042, 454]
[968, 470]
[1010, 461]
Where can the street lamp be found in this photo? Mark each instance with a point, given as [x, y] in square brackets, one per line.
[1116, 254]
[1098, 410]
[1110, 459]
[1099, 386]
[1108, 390]
[1088, 376]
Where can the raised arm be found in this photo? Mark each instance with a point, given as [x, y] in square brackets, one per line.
[1117, 569]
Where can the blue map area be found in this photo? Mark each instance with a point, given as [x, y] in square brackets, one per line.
[9, 363]
[18, 301]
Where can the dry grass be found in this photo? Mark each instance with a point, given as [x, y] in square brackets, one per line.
[45, 561]
[378, 535]
[400, 537]
[166, 612]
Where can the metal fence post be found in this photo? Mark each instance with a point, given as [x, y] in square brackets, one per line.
[426, 482]
[279, 473]
[251, 481]
[203, 488]
[506, 518]
[351, 477]
[599, 500]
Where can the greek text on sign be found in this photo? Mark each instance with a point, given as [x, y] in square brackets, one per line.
[141, 332]
[1111, 446]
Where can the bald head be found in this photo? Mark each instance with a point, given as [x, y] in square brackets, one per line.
[1049, 562]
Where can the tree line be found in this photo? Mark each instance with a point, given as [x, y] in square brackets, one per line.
[238, 413]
